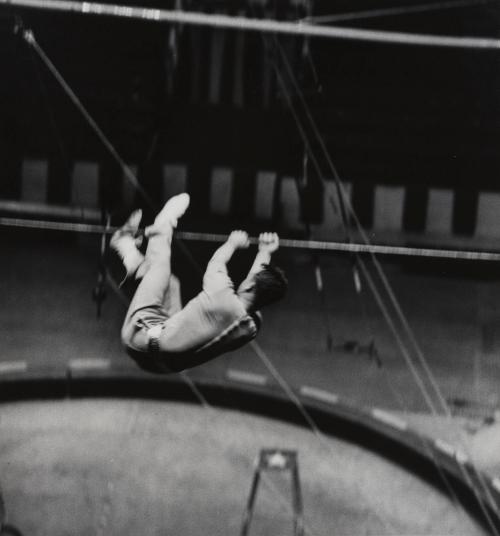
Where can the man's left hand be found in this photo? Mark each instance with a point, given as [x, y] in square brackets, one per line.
[269, 242]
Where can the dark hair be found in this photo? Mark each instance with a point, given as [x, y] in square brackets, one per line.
[270, 285]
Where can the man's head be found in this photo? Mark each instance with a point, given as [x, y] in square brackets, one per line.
[263, 288]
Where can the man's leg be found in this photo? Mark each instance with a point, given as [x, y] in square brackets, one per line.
[147, 306]
[124, 241]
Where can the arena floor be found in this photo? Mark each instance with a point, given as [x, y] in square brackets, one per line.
[150, 468]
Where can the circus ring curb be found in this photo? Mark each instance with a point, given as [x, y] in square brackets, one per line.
[374, 429]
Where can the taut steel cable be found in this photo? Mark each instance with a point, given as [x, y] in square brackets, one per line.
[299, 28]
[314, 245]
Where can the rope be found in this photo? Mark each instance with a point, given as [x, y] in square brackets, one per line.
[29, 37]
[300, 28]
[394, 302]
[390, 11]
[426, 447]
[313, 245]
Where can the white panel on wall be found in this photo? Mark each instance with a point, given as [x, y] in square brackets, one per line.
[174, 180]
[290, 204]
[34, 181]
[85, 184]
[488, 215]
[216, 63]
[388, 210]
[332, 216]
[264, 195]
[128, 188]
[221, 191]
[439, 211]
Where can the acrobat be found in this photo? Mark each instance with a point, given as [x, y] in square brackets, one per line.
[160, 334]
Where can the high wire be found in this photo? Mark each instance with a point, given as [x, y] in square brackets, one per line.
[299, 28]
[311, 245]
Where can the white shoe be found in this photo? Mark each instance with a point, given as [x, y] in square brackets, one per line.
[173, 209]
[124, 242]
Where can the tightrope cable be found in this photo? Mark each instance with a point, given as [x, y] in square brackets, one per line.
[291, 243]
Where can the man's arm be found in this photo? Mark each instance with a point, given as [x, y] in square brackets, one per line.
[236, 240]
[216, 276]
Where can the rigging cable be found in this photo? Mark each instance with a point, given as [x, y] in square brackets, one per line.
[348, 235]
[299, 28]
[391, 295]
[391, 11]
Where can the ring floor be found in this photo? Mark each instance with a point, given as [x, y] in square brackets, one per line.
[140, 467]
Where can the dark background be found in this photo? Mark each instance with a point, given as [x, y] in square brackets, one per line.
[415, 116]
[407, 116]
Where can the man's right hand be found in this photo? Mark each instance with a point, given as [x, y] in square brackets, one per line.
[239, 239]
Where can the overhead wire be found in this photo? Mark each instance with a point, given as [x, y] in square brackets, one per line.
[352, 214]
[360, 262]
[217, 20]
[394, 11]
[275, 373]
[394, 303]
[392, 298]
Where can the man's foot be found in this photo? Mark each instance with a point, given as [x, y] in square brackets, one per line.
[173, 209]
[124, 242]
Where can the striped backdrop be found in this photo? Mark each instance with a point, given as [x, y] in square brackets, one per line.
[270, 198]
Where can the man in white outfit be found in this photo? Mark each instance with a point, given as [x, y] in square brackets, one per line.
[160, 334]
